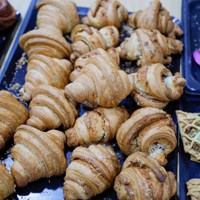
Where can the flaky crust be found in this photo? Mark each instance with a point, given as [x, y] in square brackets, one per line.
[92, 170]
[57, 15]
[155, 86]
[49, 109]
[106, 12]
[7, 185]
[46, 42]
[97, 126]
[155, 17]
[193, 186]
[45, 70]
[37, 155]
[149, 46]
[12, 114]
[149, 130]
[142, 178]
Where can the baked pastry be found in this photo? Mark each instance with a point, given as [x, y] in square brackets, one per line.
[193, 186]
[7, 185]
[97, 126]
[87, 38]
[148, 130]
[104, 13]
[12, 114]
[46, 42]
[45, 70]
[7, 15]
[155, 86]
[100, 83]
[57, 15]
[92, 170]
[149, 46]
[49, 109]
[37, 155]
[155, 17]
[142, 178]
[189, 126]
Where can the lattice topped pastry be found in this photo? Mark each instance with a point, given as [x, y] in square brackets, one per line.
[193, 186]
[189, 125]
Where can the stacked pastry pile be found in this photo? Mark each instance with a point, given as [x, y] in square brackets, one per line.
[55, 86]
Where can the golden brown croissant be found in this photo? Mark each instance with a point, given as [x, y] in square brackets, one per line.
[100, 83]
[142, 178]
[92, 170]
[155, 17]
[57, 15]
[149, 46]
[12, 114]
[193, 186]
[7, 185]
[46, 42]
[49, 109]
[37, 155]
[45, 70]
[106, 12]
[87, 38]
[97, 126]
[7, 15]
[155, 86]
[149, 130]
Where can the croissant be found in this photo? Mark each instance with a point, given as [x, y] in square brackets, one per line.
[155, 17]
[37, 155]
[46, 42]
[45, 70]
[149, 46]
[155, 86]
[7, 185]
[49, 109]
[87, 38]
[12, 114]
[149, 130]
[57, 15]
[142, 178]
[97, 126]
[104, 13]
[92, 170]
[193, 186]
[7, 15]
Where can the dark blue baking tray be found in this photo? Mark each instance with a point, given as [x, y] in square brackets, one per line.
[12, 79]
[191, 28]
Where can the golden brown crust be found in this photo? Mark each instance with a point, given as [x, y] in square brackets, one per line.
[92, 170]
[106, 12]
[97, 126]
[193, 186]
[49, 109]
[12, 114]
[37, 155]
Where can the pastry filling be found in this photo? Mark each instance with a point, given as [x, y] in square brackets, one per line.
[158, 148]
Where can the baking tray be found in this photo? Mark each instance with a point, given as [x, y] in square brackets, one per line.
[12, 79]
[191, 28]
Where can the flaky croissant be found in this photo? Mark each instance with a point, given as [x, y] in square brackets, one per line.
[92, 170]
[142, 178]
[100, 83]
[37, 155]
[149, 46]
[149, 130]
[87, 38]
[57, 15]
[46, 42]
[49, 109]
[104, 13]
[12, 114]
[155, 17]
[155, 86]
[97, 126]
[45, 70]
[7, 184]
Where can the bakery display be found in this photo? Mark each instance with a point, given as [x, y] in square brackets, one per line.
[193, 187]
[92, 170]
